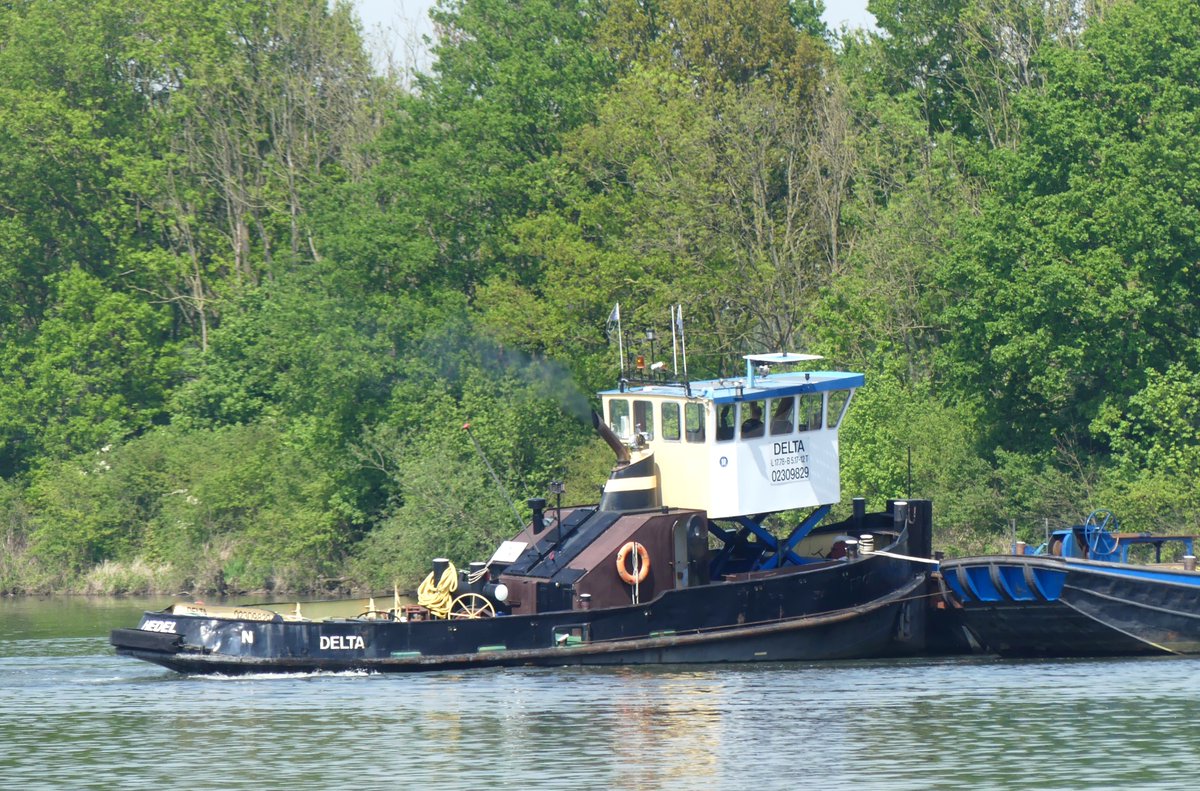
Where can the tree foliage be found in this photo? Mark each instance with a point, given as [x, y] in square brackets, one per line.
[250, 292]
[1077, 276]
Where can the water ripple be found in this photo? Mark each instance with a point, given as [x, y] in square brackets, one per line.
[75, 716]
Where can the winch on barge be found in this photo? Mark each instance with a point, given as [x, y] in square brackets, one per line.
[674, 564]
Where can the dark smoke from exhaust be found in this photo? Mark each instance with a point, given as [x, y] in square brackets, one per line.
[550, 379]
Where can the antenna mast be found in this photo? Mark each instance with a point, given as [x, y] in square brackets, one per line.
[682, 338]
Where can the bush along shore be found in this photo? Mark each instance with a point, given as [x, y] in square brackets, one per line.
[254, 283]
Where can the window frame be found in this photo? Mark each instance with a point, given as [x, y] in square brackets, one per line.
[830, 421]
[662, 417]
[645, 409]
[613, 415]
[696, 436]
[773, 407]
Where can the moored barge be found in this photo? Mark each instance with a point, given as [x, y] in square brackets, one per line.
[1081, 595]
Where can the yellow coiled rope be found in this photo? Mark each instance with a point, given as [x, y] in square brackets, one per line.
[437, 597]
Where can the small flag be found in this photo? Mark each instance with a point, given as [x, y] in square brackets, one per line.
[614, 319]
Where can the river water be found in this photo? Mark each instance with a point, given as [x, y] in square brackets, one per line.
[75, 716]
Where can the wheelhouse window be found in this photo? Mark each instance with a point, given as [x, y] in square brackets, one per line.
[670, 420]
[643, 418]
[810, 411]
[618, 418]
[726, 422]
[693, 421]
[783, 415]
[838, 400]
[752, 419]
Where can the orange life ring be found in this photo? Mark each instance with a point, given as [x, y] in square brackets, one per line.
[641, 564]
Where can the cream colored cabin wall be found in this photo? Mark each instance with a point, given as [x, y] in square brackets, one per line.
[692, 475]
[687, 485]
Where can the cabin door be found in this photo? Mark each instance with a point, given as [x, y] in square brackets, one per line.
[679, 558]
[690, 558]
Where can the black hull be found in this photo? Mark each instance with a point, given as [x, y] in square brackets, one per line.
[1082, 609]
[1045, 629]
[1163, 615]
[867, 608]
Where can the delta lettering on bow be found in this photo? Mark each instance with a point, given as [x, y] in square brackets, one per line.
[342, 642]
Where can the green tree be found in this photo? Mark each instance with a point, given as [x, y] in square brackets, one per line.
[678, 193]
[239, 506]
[1077, 276]
[737, 43]
[901, 211]
[1158, 430]
[97, 371]
[966, 60]
[69, 126]
[467, 156]
[253, 106]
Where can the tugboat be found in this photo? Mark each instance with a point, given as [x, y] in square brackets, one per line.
[675, 564]
[1079, 595]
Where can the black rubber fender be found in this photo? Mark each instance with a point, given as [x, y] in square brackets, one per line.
[141, 640]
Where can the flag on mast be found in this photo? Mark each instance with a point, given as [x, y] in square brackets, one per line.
[614, 320]
[674, 342]
[682, 337]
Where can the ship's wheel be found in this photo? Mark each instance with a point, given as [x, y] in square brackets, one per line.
[472, 605]
[1095, 531]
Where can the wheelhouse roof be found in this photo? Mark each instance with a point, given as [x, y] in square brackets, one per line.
[731, 390]
[782, 358]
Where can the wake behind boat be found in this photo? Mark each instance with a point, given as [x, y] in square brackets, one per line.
[676, 562]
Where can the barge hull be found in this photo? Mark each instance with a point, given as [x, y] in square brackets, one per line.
[1162, 615]
[1045, 629]
[1037, 606]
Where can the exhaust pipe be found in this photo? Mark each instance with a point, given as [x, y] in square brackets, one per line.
[630, 487]
[537, 505]
[611, 438]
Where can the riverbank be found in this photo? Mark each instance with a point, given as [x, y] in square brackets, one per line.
[23, 576]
